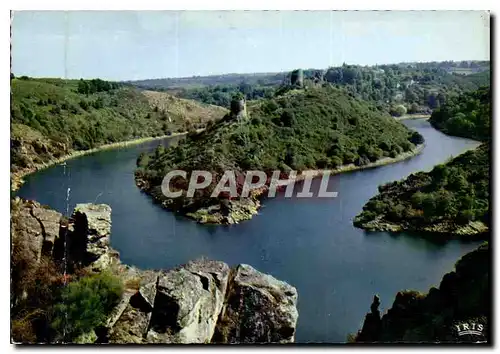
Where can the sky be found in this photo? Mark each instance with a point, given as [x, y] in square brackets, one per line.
[132, 45]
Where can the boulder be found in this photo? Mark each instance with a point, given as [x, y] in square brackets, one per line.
[97, 219]
[131, 327]
[188, 302]
[258, 309]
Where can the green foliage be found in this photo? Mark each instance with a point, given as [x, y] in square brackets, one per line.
[398, 110]
[60, 113]
[467, 115]
[67, 115]
[419, 87]
[238, 96]
[85, 304]
[317, 128]
[416, 138]
[96, 85]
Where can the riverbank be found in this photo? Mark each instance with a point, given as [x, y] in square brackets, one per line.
[236, 210]
[16, 178]
[471, 230]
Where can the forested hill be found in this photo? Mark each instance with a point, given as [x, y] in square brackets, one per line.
[316, 128]
[467, 115]
[50, 118]
[397, 88]
[451, 199]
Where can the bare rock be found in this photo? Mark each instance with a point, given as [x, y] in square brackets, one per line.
[36, 226]
[90, 229]
[97, 218]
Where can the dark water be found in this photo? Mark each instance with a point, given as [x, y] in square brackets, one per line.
[309, 243]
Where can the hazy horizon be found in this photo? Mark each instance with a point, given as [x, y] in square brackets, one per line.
[138, 45]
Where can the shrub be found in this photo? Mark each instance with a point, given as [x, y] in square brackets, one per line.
[406, 145]
[84, 105]
[85, 304]
[322, 163]
[336, 161]
[350, 157]
[464, 216]
[396, 212]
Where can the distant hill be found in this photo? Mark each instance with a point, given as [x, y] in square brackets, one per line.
[418, 87]
[51, 118]
[201, 81]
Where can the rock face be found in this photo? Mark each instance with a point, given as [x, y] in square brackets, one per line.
[259, 309]
[203, 301]
[89, 232]
[37, 226]
[207, 302]
[188, 302]
[44, 231]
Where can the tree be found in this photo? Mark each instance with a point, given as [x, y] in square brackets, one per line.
[416, 138]
[413, 108]
[83, 87]
[398, 111]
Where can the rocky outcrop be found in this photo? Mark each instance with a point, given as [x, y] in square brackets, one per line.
[463, 297]
[203, 301]
[207, 302]
[258, 309]
[372, 325]
[227, 213]
[44, 231]
[36, 226]
[188, 302]
[88, 238]
[472, 228]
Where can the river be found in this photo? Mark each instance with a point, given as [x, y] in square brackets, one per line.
[308, 242]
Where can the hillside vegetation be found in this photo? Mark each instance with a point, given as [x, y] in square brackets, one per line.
[318, 128]
[463, 297]
[51, 118]
[467, 115]
[452, 198]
